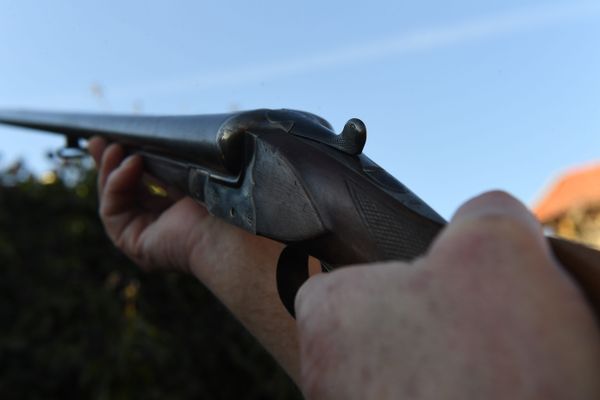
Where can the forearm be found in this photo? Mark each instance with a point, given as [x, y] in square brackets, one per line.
[240, 270]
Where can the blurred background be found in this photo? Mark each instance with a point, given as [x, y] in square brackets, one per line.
[458, 98]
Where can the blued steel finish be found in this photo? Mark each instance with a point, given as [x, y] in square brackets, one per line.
[206, 139]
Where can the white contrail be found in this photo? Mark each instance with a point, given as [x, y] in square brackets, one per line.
[516, 21]
[482, 28]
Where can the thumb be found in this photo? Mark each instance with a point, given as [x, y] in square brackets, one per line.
[496, 214]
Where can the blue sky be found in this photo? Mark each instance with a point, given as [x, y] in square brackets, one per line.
[458, 97]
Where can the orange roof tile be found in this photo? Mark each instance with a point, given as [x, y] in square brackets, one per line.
[576, 188]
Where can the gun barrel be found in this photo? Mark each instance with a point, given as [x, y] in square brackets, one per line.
[203, 139]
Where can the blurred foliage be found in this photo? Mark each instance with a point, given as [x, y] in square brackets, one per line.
[78, 320]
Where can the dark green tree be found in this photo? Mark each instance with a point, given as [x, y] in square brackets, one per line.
[78, 320]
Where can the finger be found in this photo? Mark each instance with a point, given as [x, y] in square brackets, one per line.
[111, 158]
[123, 216]
[120, 193]
[496, 222]
[96, 147]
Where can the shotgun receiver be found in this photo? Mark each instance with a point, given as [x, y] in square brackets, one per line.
[286, 175]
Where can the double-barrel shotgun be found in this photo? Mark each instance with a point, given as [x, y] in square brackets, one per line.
[286, 175]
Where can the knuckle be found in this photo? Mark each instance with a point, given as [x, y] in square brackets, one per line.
[490, 235]
[310, 297]
[327, 291]
[135, 251]
[497, 226]
[326, 302]
[498, 196]
[515, 231]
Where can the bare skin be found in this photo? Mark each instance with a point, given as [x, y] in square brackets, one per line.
[178, 233]
[487, 313]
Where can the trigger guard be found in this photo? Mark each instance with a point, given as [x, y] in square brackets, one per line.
[292, 272]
